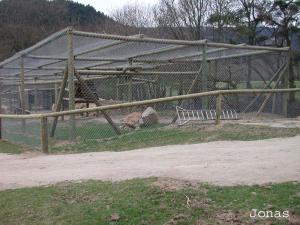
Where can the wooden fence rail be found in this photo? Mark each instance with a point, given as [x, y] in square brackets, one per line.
[44, 117]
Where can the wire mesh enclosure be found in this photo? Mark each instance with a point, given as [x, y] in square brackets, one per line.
[77, 70]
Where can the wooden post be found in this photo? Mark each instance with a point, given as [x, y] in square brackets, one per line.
[44, 135]
[56, 92]
[35, 95]
[11, 100]
[71, 85]
[274, 103]
[130, 90]
[22, 93]
[249, 72]
[218, 109]
[59, 102]
[286, 84]
[204, 77]
[118, 92]
[130, 96]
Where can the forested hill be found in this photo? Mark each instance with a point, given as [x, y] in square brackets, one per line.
[24, 22]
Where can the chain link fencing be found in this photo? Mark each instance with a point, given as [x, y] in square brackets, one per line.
[111, 70]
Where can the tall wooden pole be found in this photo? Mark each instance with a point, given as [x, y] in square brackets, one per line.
[56, 92]
[35, 95]
[286, 85]
[11, 99]
[71, 84]
[204, 78]
[218, 109]
[130, 90]
[249, 72]
[118, 91]
[44, 135]
[22, 92]
[59, 102]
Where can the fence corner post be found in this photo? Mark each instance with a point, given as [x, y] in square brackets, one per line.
[44, 135]
[218, 109]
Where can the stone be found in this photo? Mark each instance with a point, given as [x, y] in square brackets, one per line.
[132, 120]
[114, 217]
[149, 117]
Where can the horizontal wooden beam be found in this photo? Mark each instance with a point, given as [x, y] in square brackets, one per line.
[131, 73]
[58, 81]
[138, 39]
[249, 47]
[152, 101]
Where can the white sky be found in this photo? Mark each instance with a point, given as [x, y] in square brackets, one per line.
[106, 6]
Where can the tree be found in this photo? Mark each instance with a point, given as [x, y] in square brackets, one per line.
[184, 18]
[134, 14]
[284, 15]
[166, 15]
[249, 15]
[221, 16]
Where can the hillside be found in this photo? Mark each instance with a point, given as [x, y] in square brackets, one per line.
[24, 22]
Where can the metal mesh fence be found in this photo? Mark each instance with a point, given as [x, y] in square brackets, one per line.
[23, 132]
[112, 70]
[143, 123]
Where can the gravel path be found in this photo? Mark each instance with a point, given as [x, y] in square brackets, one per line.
[220, 163]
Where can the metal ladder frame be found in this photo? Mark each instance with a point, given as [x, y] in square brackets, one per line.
[187, 115]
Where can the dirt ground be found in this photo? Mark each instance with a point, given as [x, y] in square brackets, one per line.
[219, 163]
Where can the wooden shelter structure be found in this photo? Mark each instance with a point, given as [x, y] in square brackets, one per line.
[138, 68]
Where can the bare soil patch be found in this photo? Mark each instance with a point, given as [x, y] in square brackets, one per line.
[220, 163]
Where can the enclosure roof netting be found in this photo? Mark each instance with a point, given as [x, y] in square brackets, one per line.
[111, 52]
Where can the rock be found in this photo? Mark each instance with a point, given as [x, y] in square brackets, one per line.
[149, 117]
[132, 120]
[115, 217]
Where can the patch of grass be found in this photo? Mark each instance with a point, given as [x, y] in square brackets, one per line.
[163, 136]
[140, 202]
[87, 131]
[6, 147]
